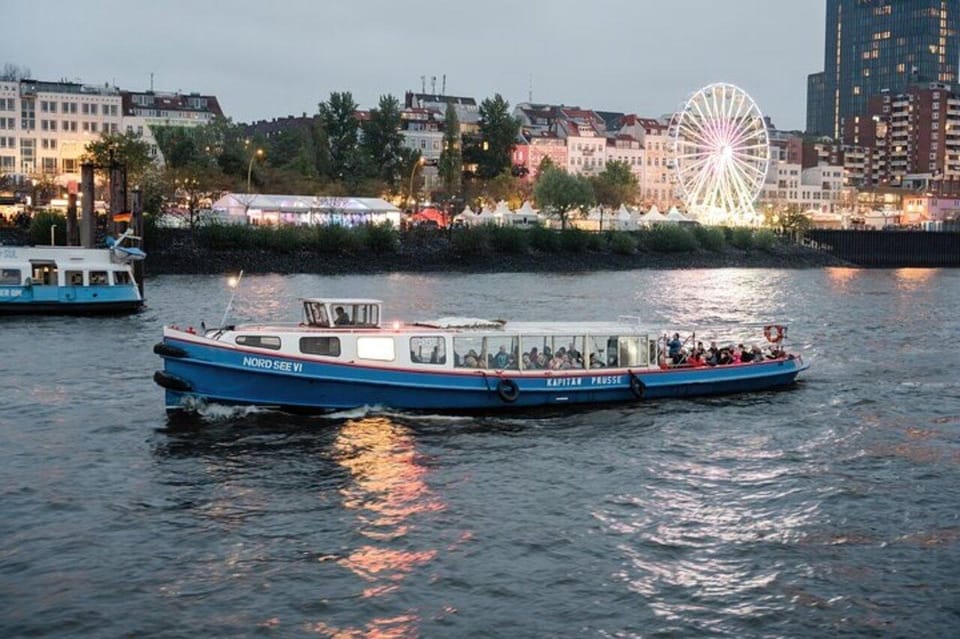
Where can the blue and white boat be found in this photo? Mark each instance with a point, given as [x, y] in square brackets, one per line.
[342, 356]
[69, 279]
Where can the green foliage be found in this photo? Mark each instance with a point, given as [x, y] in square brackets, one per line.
[471, 241]
[336, 239]
[710, 238]
[764, 239]
[127, 149]
[597, 242]
[39, 230]
[623, 243]
[509, 239]
[450, 166]
[382, 142]
[379, 238]
[615, 185]
[742, 238]
[498, 130]
[341, 129]
[558, 192]
[503, 187]
[544, 239]
[574, 240]
[670, 238]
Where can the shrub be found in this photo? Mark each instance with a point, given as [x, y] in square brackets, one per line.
[470, 241]
[380, 238]
[764, 239]
[742, 238]
[622, 243]
[710, 238]
[574, 240]
[40, 228]
[670, 238]
[509, 239]
[334, 238]
[598, 242]
[227, 236]
[543, 239]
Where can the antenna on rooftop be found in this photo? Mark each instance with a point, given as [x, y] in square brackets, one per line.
[443, 86]
[151, 82]
[433, 84]
[423, 84]
[530, 89]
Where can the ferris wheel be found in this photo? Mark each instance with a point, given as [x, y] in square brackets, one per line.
[721, 154]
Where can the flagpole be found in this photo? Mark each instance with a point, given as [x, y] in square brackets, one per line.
[226, 311]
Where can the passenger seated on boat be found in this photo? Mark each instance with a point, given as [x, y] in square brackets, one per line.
[695, 359]
[756, 353]
[501, 360]
[724, 357]
[342, 319]
[712, 355]
[596, 361]
[746, 355]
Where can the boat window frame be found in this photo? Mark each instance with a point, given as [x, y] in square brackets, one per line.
[439, 340]
[331, 339]
[7, 273]
[237, 340]
[125, 276]
[106, 278]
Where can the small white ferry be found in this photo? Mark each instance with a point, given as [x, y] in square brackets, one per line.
[69, 279]
[342, 356]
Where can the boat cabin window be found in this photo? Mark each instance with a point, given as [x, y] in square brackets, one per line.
[377, 348]
[73, 278]
[633, 351]
[365, 315]
[501, 352]
[328, 346]
[10, 277]
[121, 277]
[44, 273]
[259, 341]
[553, 352]
[428, 350]
[601, 351]
[99, 278]
[316, 314]
[469, 352]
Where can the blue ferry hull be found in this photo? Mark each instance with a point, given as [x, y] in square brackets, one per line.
[198, 372]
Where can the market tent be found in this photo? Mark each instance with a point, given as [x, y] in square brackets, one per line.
[429, 215]
[654, 216]
[676, 217]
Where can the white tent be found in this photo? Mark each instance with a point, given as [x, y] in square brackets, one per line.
[654, 216]
[621, 220]
[594, 214]
[526, 209]
[468, 217]
[676, 217]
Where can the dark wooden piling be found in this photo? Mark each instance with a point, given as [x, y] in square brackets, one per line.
[73, 233]
[136, 225]
[88, 227]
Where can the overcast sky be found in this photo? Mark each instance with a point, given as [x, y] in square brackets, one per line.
[265, 59]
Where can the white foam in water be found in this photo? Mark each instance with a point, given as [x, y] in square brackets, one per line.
[222, 412]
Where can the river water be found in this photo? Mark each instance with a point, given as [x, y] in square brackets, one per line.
[831, 509]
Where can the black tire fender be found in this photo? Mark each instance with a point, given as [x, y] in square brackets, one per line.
[168, 350]
[172, 382]
[508, 390]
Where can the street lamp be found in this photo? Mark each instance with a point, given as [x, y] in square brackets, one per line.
[254, 156]
[413, 173]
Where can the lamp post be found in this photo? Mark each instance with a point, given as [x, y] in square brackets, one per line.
[258, 153]
[413, 173]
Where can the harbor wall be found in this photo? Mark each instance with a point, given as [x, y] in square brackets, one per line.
[889, 249]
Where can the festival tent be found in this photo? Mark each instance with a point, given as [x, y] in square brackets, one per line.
[654, 216]
[676, 217]
[429, 215]
[526, 209]
[621, 220]
[469, 217]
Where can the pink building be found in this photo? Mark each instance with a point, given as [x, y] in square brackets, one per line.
[530, 152]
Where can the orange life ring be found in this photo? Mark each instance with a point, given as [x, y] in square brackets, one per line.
[774, 333]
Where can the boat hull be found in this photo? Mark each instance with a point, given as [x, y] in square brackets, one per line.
[196, 372]
[72, 308]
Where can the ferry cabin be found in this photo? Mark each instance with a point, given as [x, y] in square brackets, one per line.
[458, 344]
[65, 280]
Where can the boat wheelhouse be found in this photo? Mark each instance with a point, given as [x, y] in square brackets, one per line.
[343, 356]
[69, 279]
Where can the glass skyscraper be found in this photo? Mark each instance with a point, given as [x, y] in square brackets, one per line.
[872, 45]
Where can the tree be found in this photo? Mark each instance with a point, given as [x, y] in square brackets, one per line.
[339, 121]
[382, 142]
[12, 72]
[450, 166]
[498, 131]
[127, 149]
[614, 186]
[559, 193]
[503, 187]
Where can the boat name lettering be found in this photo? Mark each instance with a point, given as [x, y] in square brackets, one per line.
[272, 364]
[603, 380]
[565, 381]
[10, 292]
